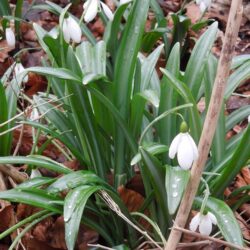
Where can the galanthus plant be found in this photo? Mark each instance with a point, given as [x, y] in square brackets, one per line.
[112, 112]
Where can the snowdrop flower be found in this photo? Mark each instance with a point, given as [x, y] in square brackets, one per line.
[204, 4]
[10, 37]
[184, 146]
[34, 116]
[91, 7]
[248, 119]
[35, 173]
[18, 70]
[204, 222]
[71, 30]
[124, 1]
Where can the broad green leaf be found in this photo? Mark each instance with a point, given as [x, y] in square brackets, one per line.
[74, 205]
[195, 67]
[227, 222]
[152, 149]
[175, 182]
[38, 161]
[33, 197]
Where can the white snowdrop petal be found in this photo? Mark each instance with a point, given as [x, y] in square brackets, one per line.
[203, 7]
[185, 153]
[65, 28]
[248, 119]
[124, 1]
[90, 10]
[205, 226]
[10, 37]
[35, 173]
[174, 146]
[212, 218]
[107, 11]
[194, 222]
[194, 147]
[74, 30]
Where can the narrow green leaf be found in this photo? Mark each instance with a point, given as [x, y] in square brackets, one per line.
[38, 161]
[195, 67]
[152, 149]
[74, 205]
[33, 197]
[123, 75]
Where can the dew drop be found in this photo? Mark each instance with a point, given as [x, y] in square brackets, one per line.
[175, 194]
[177, 179]
[174, 185]
[226, 221]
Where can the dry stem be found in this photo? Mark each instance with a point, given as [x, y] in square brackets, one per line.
[210, 122]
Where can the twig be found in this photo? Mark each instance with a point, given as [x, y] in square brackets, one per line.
[209, 238]
[100, 246]
[19, 142]
[193, 244]
[210, 121]
[13, 173]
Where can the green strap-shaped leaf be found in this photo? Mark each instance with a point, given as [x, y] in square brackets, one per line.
[227, 223]
[75, 179]
[175, 182]
[168, 100]
[236, 78]
[38, 161]
[195, 67]
[33, 197]
[74, 205]
[123, 76]
[4, 148]
[232, 167]
[152, 149]
[184, 91]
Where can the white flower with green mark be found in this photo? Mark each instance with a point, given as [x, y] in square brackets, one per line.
[203, 222]
[71, 30]
[10, 37]
[91, 8]
[184, 146]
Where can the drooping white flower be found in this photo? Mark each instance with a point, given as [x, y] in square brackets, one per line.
[19, 70]
[71, 30]
[184, 146]
[204, 222]
[10, 37]
[91, 8]
[34, 116]
[35, 173]
[248, 119]
[124, 1]
[204, 4]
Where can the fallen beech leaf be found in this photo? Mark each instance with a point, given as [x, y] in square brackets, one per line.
[7, 218]
[246, 174]
[243, 225]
